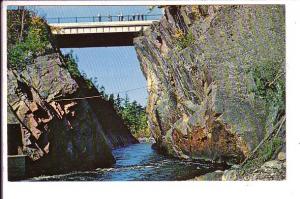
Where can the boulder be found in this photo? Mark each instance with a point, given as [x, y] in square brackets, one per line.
[281, 156]
[273, 164]
[213, 176]
[230, 175]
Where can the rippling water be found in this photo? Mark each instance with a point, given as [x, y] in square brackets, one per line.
[138, 162]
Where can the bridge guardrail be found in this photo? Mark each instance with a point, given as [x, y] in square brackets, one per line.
[99, 18]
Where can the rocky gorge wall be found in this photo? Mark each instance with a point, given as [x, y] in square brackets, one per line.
[62, 135]
[196, 60]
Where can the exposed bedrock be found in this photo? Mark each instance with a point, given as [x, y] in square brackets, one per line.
[195, 59]
[62, 135]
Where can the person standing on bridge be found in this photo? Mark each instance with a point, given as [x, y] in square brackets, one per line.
[121, 16]
[99, 17]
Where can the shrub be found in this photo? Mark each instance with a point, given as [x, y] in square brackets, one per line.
[71, 64]
[195, 12]
[270, 148]
[269, 83]
[35, 43]
[183, 40]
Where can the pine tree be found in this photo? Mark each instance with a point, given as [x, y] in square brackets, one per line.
[126, 101]
[118, 102]
[111, 98]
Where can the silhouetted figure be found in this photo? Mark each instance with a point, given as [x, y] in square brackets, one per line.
[121, 16]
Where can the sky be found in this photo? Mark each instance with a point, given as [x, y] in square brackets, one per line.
[116, 68]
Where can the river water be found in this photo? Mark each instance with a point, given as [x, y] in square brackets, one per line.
[138, 162]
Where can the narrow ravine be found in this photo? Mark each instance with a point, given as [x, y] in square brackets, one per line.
[216, 92]
[138, 162]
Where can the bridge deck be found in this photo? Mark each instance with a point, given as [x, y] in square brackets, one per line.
[97, 34]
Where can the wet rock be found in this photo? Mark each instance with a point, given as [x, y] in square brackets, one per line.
[146, 140]
[142, 140]
[214, 176]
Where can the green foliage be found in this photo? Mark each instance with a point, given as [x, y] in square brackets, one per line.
[134, 116]
[101, 90]
[270, 148]
[28, 37]
[195, 12]
[71, 64]
[111, 98]
[30, 45]
[265, 153]
[118, 102]
[183, 40]
[18, 22]
[269, 83]
[270, 87]
[89, 81]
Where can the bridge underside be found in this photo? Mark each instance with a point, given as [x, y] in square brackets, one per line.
[95, 40]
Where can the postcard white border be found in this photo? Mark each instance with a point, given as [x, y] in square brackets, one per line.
[184, 190]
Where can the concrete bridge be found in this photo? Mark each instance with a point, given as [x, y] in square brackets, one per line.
[100, 31]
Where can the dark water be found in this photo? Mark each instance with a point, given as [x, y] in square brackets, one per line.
[138, 162]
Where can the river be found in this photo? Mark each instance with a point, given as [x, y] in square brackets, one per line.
[138, 162]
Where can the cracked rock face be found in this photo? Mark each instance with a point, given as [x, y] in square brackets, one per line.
[55, 135]
[200, 104]
[62, 135]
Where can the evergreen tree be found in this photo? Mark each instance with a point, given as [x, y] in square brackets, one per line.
[118, 102]
[111, 98]
[102, 91]
[126, 101]
[132, 113]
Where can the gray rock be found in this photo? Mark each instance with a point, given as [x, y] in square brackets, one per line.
[65, 134]
[273, 164]
[213, 176]
[230, 175]
[281, 156]
[200, 93]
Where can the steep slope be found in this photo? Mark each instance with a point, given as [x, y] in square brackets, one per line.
[57, 134]
[199, 62]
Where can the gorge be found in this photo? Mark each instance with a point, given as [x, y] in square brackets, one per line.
[216, 85]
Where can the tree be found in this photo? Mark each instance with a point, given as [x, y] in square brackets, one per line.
[111, 98]
[28, 37]
[118, 103]
[126, 101]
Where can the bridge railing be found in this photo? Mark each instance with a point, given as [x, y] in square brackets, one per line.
[107, 18]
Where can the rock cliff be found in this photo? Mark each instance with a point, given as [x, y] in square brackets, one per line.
[61, 135]
[197, 60]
